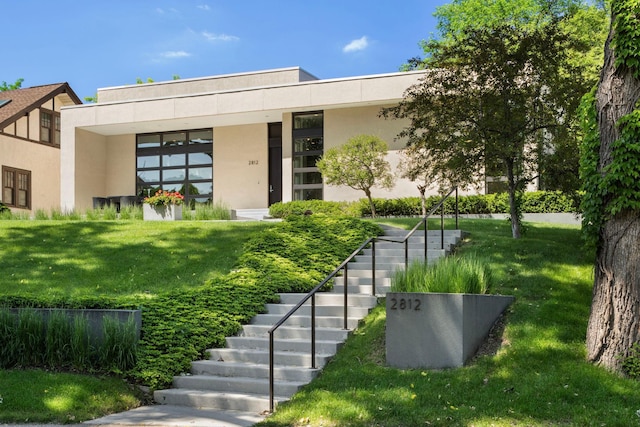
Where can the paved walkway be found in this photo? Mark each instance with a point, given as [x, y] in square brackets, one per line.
[166, 416]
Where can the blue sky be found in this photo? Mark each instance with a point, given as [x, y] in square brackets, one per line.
[93, 44]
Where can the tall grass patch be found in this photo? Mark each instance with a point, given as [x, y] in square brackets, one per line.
[453, 274]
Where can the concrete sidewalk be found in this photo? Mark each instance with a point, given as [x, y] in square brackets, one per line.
[166, 416]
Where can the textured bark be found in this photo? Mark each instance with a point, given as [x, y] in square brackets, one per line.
[614, 323]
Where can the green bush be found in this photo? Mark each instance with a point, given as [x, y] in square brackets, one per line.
[452, 274]
[532, 202]
[631, 363]
[299, 207]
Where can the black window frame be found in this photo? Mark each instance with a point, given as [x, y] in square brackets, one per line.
[314, 190]
[168, 148]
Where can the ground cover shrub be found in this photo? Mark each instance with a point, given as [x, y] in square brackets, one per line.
[453, 274]
[291, 256]
[299, 207]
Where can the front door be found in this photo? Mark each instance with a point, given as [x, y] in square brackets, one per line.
[275, 163]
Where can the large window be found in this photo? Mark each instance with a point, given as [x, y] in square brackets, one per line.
[176, 161]
[16, 187]
[308, 146]
[50, 127]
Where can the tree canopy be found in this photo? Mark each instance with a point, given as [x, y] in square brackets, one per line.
[360, 164]
[499, 99]
[4, 86]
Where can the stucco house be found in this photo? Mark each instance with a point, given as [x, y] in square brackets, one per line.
[247, 139]
[30, 139]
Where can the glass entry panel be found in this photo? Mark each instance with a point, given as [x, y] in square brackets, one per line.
[308, 148]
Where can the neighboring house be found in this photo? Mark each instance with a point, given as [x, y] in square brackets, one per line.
[30, 136]
[249, 139]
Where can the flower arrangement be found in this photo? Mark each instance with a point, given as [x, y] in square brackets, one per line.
[165, 198]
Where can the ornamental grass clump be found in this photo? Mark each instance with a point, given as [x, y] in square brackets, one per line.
[165, 198]
[454, 274]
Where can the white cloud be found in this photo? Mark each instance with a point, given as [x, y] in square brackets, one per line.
[175, 54]
[356, 45]
[204, 7]
[212, 37]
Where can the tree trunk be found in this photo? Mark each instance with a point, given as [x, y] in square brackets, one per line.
[614, 322]
[371, 205]
[514, 209]
[423, 203]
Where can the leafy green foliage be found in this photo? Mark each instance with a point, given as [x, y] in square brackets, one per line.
[4, 86]
[300, 207]
[631, 363]
[453, 274]
[615, 188]
[360, 164]
[592, 205]
[532, 202]
[626, 37]
[481, 110]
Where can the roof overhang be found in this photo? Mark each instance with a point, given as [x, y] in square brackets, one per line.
[238, 107]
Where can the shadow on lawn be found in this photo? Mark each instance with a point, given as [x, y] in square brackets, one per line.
[72, 259]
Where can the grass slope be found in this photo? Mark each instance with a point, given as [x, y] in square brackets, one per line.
[539, 376]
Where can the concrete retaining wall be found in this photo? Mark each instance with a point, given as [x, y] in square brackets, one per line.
[435, 330]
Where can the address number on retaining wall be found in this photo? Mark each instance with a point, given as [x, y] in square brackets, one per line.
[406, 304]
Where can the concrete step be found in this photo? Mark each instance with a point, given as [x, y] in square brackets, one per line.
[235, 384]
[295, 332]
[246, 402]
[397, 254]
[248, 370]
[331, 299]
[399, 232]
[416, 245]
[304, 321]
[257, 356]
[250, 214]
[321, 311]
[295, 345]
[381, 289]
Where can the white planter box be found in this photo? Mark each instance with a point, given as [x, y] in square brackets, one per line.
[435, 331]
[161, 213]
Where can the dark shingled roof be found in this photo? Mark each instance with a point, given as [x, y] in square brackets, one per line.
[27, 99]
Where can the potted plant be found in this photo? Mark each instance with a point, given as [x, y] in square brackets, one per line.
[439, 315]
[163, 206]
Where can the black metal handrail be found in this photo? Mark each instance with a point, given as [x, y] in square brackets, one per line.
[425, 220]
[344, 266]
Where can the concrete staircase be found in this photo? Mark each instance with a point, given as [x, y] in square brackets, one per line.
[250, 214]
[237, 377]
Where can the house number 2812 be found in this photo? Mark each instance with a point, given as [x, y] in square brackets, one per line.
[405, 304]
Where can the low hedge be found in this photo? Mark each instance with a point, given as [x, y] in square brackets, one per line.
[531, 202]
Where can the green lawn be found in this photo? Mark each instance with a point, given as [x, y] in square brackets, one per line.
[539, 376]
[69, 259]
